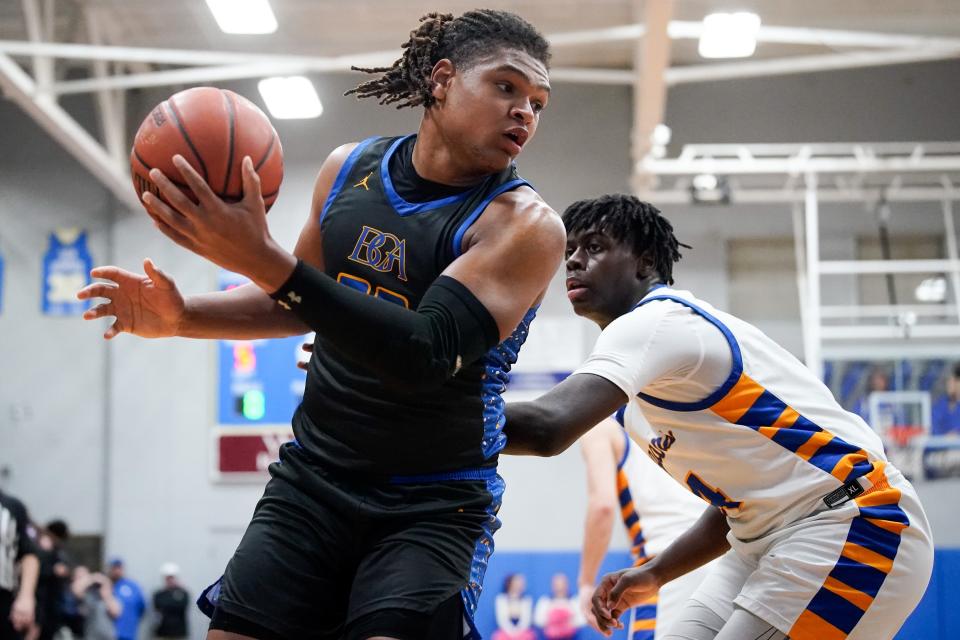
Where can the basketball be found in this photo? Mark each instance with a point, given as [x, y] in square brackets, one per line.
[213, 129]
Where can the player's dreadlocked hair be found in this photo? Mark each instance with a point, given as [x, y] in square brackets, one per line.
[629, 219]
[462, 40]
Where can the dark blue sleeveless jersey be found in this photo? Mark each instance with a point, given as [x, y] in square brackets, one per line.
[382, 245]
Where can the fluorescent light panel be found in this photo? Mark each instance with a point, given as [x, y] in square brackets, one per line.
[243, 16]
[290, 98]
[932, 290]
[729, 35]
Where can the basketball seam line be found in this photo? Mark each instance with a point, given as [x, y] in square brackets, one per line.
[186, 137]
[230, 110]
[183, 185]
[266, 154]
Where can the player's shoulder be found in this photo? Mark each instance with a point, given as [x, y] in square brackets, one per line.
[338, 156]
[522, 210]
[641, 323]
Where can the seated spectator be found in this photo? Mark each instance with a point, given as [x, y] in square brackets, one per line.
[514, 610]
[558, 614]
[946, 410]
[887, 415]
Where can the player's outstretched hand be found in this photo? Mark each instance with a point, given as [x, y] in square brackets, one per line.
[619, 592]
[147, 305]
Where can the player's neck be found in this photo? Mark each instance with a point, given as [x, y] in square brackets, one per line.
[434, 159]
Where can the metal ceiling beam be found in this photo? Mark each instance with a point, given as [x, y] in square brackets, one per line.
[687, 30]
[807, 64]
[111, 104]
[38, 31]
[667, 196]
[20, 88]
[676, 30]
[187, 57]
[794, 166]
[196, 75]
[651, 61]
[284, 65]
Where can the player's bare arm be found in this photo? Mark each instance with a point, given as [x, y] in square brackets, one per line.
[618, 591]
[511, 254]
[600, 456]
[150, 305]
[459, 319]
[548, 425]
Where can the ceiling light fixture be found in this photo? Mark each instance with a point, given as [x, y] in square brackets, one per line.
[243, 16]
[729, 35]
[291, 97]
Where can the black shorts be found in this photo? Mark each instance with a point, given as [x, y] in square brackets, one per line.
[324, 550]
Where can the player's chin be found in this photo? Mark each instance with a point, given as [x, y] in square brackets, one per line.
[497, 160]
[582, 307]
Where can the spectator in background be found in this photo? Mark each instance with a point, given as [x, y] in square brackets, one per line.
[19, 568]
[130, 595]
[170, 604]
[97, 605]
[558, 614]
[946, 410]
[879, 381]
[514, 610]
[57, 575]
[890, 415]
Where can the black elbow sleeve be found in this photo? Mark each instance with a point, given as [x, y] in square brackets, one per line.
[456, 329]
[409, 350]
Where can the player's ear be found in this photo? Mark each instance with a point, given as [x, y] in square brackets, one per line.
[440, 79]
[645, 265]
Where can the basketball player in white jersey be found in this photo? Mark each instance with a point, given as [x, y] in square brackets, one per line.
[655, 510]
[821, 537]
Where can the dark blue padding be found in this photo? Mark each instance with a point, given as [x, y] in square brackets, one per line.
[731, 380]
[343, 173]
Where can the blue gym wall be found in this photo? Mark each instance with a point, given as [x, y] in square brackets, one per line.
[937, 617]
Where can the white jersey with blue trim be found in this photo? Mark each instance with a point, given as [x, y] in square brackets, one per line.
[730, 414]
[655, 509]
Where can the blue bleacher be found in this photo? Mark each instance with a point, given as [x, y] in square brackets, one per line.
[931, 375]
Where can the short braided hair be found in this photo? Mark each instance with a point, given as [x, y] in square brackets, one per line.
[462, 40]
[626, 218]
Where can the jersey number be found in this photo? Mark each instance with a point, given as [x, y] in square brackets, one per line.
[365, 287]
[716, 497]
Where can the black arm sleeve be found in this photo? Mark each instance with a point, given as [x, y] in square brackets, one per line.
[413, 350]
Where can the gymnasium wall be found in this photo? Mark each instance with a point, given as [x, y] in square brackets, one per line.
[74, 411]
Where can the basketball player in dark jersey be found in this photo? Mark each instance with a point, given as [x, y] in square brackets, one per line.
[419, 269]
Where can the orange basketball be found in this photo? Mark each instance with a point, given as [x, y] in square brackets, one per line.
[213, 129]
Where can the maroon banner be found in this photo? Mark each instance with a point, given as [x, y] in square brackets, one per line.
[245, 453]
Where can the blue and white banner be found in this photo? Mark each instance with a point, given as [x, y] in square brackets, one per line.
[66, 270]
